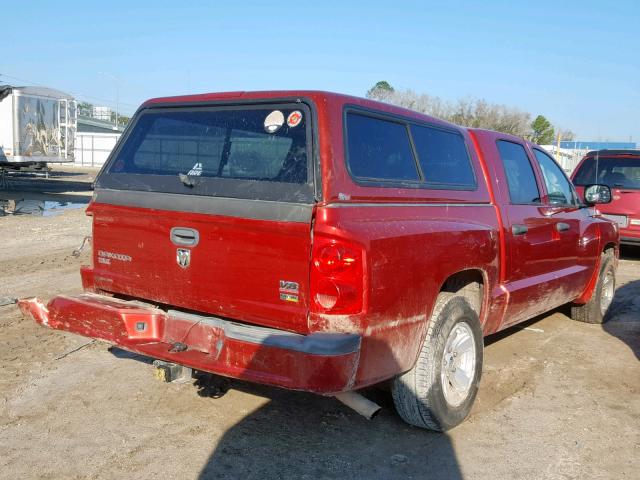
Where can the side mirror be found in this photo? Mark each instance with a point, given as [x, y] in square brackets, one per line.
[594, 194]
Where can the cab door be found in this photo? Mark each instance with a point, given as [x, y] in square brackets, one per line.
[578, 238]
[539, 258]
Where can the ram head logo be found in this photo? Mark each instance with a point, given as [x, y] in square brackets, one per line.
[183, 257]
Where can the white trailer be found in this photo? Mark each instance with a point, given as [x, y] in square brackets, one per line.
[37, 126]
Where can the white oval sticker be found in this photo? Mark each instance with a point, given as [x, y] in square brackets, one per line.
[274, 121]
[294, 118]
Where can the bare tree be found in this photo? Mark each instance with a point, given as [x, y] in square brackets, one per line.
[469, 112]
[567, 135]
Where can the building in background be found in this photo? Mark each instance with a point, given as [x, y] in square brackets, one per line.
[101, 113]
[589, 146]
[93, 125]
[94, 141]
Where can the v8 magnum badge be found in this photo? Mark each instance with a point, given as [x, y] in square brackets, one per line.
[289, 291]
[183, 257]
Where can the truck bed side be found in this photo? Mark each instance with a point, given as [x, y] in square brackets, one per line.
[414, 239]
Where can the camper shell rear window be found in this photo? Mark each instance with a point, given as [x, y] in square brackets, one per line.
[261, 152]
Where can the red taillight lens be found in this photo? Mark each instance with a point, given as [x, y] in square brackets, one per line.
[335, 258]
[337, 276]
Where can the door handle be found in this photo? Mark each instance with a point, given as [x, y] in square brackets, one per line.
[562, 227]
[519, 229]
[184, 237]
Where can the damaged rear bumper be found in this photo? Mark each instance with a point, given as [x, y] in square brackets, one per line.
[320, 362]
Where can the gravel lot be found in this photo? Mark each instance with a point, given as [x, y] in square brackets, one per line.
[558, 399]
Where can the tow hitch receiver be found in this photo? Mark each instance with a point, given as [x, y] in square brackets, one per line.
[172, 372]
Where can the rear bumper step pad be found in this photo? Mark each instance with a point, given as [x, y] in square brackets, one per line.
[320, 362]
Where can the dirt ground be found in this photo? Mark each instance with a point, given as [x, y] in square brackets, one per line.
[558, 399]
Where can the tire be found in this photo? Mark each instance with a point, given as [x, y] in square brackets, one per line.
[595, 310]
[423, 396]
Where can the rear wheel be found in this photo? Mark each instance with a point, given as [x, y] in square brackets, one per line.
[595, 310]
[438, 392]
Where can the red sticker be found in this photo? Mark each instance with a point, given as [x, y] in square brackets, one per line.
[294, 118]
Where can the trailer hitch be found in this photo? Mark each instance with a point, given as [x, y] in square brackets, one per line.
[172, 372]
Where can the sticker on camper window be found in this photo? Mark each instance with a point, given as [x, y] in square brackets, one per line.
[196, 171]
[294, 118]
[274, 121]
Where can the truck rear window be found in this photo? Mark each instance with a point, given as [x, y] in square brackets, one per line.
[610, 171]
[253, 151]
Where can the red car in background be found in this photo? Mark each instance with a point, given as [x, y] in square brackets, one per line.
[620, 170]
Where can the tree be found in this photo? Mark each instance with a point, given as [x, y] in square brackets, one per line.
[85, 109]
[567, 135]
[470, 112]
[122, 119]
[542, 131]
[381, 90]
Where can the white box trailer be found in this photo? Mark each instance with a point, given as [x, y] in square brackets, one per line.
[37, 125]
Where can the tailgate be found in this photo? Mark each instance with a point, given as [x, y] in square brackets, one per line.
[209, 209]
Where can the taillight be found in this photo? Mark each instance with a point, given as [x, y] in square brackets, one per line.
[337, 276]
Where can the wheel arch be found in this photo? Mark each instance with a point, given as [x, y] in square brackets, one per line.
[609, 248]
[471, 283]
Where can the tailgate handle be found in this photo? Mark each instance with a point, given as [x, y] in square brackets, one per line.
[185, 237]
[562, 227]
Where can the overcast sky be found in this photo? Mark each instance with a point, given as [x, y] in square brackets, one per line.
[577, 63]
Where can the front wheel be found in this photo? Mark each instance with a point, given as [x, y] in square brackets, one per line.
[439, 391]
[595, 310]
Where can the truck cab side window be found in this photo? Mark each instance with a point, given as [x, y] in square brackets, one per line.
[523, 188]
[443, 157]
[559, 189]
[379, 149]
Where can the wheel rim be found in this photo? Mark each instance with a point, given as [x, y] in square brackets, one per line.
[458, 364]
[606, 292]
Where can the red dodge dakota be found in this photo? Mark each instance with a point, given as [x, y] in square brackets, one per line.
[322, 242]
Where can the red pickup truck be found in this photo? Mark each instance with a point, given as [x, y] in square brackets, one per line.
[322, 242]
